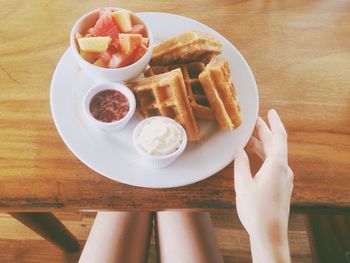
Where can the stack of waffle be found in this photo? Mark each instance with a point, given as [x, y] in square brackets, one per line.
[195, 93]
[182, 85]
[187, 47]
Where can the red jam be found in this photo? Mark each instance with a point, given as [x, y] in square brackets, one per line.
[109, 105]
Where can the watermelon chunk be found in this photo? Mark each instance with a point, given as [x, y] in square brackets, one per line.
[105, 56]
[138, 29]
[105, 25]
[115, 43]
[139, 52]
[102, 11]
[119, 60]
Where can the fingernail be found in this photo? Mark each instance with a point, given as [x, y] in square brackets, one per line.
[272, 111]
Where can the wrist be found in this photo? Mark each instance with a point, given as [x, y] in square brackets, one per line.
[270, 230]
[270, 244]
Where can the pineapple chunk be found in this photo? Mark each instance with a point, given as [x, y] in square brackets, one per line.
[129, 42]
[145, 41]
[122, 19]
[89, 56]
[78, 35]
[100, 63]
[94, 44]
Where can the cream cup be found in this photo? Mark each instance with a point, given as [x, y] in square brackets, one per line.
[159, 161]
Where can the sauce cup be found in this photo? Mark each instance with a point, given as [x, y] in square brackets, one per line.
[114, 125]
[159, 161]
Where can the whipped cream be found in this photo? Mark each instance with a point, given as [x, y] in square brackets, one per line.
[159, 137]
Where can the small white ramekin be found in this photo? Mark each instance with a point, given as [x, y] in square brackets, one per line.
[159, 161]
[115, 125]
[109, 74]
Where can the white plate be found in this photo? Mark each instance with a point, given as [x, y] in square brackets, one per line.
[113, 155]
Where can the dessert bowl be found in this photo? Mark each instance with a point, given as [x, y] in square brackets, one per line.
[109, 74]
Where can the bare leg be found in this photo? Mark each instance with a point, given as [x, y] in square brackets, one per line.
[186, 237]
[118, 237]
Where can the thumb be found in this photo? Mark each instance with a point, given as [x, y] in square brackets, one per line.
[242, 173]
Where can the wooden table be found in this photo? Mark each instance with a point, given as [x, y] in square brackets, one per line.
[299, 52]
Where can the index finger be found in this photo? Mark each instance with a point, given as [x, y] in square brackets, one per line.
[279, 134]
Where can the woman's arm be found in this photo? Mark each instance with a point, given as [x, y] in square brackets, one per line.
[263, 200]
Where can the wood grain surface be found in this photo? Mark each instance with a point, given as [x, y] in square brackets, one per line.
[299, 52]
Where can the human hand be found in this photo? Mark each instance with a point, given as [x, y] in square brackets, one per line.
[263, 201]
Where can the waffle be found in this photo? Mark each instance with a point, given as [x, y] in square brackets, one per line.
[187, 47]
[165, 95]
[195, 93]
[218, 86]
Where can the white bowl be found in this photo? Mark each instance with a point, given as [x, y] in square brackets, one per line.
[159, 161]
[115, 125]
[109, 74]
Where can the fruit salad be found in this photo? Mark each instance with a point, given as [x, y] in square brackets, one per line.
[114, 41]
